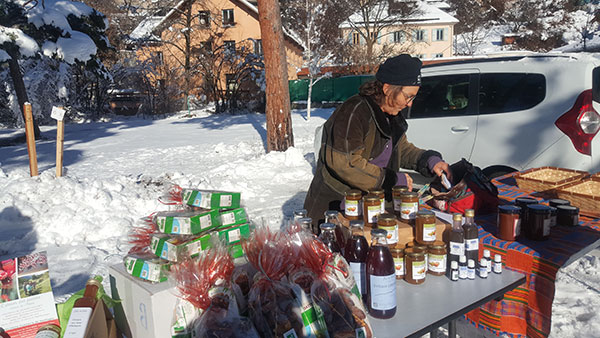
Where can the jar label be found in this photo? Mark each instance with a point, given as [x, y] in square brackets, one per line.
[392, 234]
[352, 208]
[546, 227]
[462, 271]
[429, 232]
[397, 204]
[409, 210]
[497, 267]
[454, 275]
[372, 213]
[472, 244]
[383, 292]
[457, 248]
[483, 272]
[399, 265]
[382, 206]
[437, 263]
[419, 269]
[360, 274]
[553, 220]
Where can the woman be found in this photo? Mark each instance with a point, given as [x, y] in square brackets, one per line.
[364, 141]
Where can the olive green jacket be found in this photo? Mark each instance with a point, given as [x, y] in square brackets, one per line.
[355, 134]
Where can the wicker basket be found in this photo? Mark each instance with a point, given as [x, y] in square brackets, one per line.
[584, 194]
[548, 179]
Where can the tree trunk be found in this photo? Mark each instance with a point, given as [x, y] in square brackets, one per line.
[20, 90]
[279, 123]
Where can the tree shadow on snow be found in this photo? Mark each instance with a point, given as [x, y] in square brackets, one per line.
[288, 207]
[17, 235]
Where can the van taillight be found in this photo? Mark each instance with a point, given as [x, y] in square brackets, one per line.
[581, 123]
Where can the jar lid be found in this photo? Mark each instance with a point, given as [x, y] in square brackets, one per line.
[353, 193]
[509, 209]
[371, 198]
[409, 194]
[420, 247]
[525, 200]
[414, 254]
[438, 245]
[558, 201]
[377, 192]
[396, 250]
[568, 209]
[552, 210]
[538, 208]
[357, 223]
[425, 213]
[327, 226]
[399, 188]
[387, 217]
[49, 327]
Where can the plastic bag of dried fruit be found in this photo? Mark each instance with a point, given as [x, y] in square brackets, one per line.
[204, 282]
[273, 306]
[334, 292]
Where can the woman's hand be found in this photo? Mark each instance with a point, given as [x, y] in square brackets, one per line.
[442, 167]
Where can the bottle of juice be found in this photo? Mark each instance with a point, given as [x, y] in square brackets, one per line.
[327, 236]
[381, 277]
[341, 232]
[356, 252]
[82, 310]
[457, 239]
[471, 236]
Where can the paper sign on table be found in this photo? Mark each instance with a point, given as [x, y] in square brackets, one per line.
[26, 299]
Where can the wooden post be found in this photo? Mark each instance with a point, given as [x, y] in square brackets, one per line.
[58, 114]
[29, 133]
[60, 140]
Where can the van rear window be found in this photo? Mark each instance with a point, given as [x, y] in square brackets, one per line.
[508, 92]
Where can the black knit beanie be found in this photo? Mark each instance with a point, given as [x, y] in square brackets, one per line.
[401, 70]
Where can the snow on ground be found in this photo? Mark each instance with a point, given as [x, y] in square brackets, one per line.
[115, 172]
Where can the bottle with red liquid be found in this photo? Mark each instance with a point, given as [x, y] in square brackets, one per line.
[356, 252]
[327, 236]
[381, 277]
[341, 232]
[471, 233]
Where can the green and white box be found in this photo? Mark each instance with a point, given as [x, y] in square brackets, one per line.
[174, 248]
[187, 223]
[152, 269]
[234, 234]
[211, 199]
[233, 217]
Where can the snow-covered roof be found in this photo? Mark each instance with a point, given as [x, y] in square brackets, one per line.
[144, 31]
[425, 14]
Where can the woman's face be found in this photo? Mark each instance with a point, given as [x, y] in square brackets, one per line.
[396, 100]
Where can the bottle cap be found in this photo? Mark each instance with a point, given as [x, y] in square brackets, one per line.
[486, 253]
[454, 265]
[357, 223]
[457, 217]
[93, 281]
[462, 259]
[300, 213]
[306, 222]
[470, 213]
[327, 226]
[378, 233]
[331, 213]
[497, 258]
[471, 263]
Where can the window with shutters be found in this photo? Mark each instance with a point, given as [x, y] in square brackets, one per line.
[356, 38]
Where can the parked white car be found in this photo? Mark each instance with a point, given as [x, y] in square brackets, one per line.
[511, 113]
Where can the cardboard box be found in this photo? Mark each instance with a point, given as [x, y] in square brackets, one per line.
[145, 309]
[233, 217]
[211, 199]
[101, 324]
[152, 269]
[172, 248]
[187, 223]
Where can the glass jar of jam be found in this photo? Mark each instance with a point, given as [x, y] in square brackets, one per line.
[397, 198]
[538, 219]
[523, 202]
[381, 194]
[371, 209]
[48, 331]
[509, 222]
[415, 265]
[436, 258]
[567, 215]
[388, 223]
[409, 206]
[352, 207]
[398, 254]
[553, 203]
[421, 248]
[425, 227]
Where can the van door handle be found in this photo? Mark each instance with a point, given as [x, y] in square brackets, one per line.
[460, 129]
